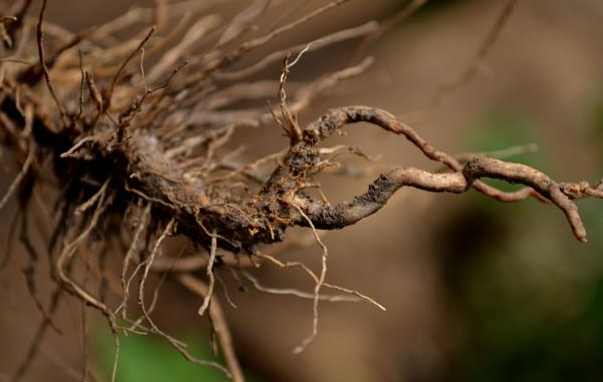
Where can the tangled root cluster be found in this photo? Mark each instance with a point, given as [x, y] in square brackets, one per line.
[136, 153]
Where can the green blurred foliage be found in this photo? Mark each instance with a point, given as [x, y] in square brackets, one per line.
[597, 124]
[151, 359]
[529, 297]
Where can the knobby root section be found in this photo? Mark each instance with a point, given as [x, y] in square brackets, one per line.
[135, 154]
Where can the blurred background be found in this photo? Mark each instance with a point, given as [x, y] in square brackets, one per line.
[475, 290]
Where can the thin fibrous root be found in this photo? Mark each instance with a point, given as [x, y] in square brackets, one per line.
[321, 280]
[220, 326]
[210, 273]
[175, 343]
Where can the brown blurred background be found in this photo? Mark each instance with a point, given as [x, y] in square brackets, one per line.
[475, 290]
